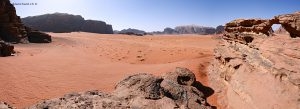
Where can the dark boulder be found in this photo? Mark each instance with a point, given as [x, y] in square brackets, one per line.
[6, 49]
[39, 37]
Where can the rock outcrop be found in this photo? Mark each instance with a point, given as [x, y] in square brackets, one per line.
[11, 27]
[252, 70]
[290, 22]
[250, 25]
[176, 89]
[94, 26]
[62, 23]
[39, 37]
[6, 49]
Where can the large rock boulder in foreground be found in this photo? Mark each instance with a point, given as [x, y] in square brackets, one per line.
[176, 89]
[256, 71]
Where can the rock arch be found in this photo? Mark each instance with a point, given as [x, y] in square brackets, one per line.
[290, 22]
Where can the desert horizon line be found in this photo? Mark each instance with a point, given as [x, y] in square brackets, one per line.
[275, 27]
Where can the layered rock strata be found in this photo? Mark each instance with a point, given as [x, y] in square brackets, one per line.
[13, 30]
[252, 70]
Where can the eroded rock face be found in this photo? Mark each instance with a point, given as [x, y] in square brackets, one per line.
[11, 27]
[63, 23]
[291, 23]
[254, 71]
[176, 89]
[13, 30]
[94, 26]
[249, 25]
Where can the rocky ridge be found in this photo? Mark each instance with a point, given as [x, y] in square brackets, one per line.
[63, 22]
[131, 31]
[191, 29]
[253, 69]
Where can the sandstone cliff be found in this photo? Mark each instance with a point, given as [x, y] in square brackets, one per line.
[12, 30]
[254, 70]
[11, 27]
[62, 22]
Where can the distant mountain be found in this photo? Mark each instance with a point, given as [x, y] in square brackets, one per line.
[220, 29]
[194, 29]
[281, 30]
[130, 30]
[170, 31]
[62, 22]
[189, 29]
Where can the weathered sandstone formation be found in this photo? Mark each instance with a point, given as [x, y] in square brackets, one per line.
[252, 70]
[62, 23]
[290, 22]
[178, 89]
[11, 27]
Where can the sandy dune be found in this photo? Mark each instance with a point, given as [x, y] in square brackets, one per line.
[84, 61]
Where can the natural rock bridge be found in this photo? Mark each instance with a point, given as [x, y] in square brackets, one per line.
[290, 22]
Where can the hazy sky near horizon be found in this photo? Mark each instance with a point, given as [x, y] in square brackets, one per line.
[155, 15]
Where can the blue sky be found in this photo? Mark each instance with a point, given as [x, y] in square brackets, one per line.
[155, 15]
